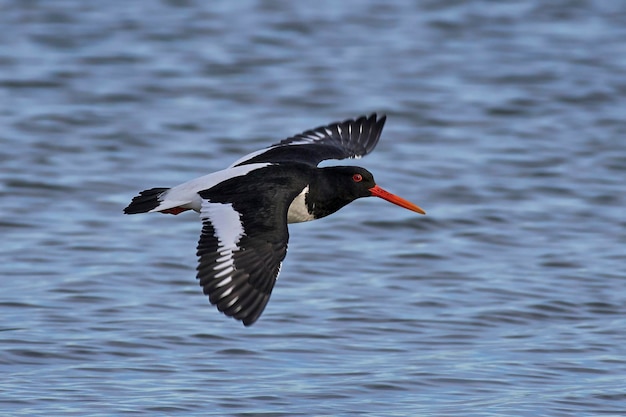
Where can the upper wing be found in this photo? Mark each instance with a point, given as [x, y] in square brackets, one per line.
[243, 242]
[352, 138]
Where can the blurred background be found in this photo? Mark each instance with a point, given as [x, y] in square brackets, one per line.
[505, 123]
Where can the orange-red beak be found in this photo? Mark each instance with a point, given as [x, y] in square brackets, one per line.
[392, 198]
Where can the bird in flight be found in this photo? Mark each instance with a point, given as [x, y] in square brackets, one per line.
[246, 207]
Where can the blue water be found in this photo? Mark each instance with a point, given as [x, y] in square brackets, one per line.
[506, 122]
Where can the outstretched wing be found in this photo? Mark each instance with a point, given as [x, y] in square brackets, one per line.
[235, 270]
[352, 138]
[244, 241]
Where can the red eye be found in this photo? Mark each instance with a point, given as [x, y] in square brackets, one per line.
[357, 178]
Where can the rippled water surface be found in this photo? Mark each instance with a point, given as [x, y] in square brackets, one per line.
[506, 122]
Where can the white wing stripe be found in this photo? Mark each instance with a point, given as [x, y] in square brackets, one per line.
[233, 301]
[226, 222]
[226, 293]
[228, 228]
[223, 258]
[227, 270]
[223, 282]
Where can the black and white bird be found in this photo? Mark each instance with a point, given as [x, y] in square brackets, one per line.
[246, 207]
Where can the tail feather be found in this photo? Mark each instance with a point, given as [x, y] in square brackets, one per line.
[145, 201]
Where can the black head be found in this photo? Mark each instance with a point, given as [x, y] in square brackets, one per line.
[349, 182]
[340, 185]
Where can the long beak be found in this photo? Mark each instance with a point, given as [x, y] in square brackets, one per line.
[392, 198]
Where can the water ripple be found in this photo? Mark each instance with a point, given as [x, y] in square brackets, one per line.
[504, 124]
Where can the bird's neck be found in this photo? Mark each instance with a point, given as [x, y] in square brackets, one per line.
[323, 198]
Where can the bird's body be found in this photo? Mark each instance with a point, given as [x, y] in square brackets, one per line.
[245, 208]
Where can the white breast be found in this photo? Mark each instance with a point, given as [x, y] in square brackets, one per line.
[298, 211]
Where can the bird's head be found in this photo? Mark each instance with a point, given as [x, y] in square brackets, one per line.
[356, 182]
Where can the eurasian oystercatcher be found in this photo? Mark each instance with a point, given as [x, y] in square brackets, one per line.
[245, 208]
